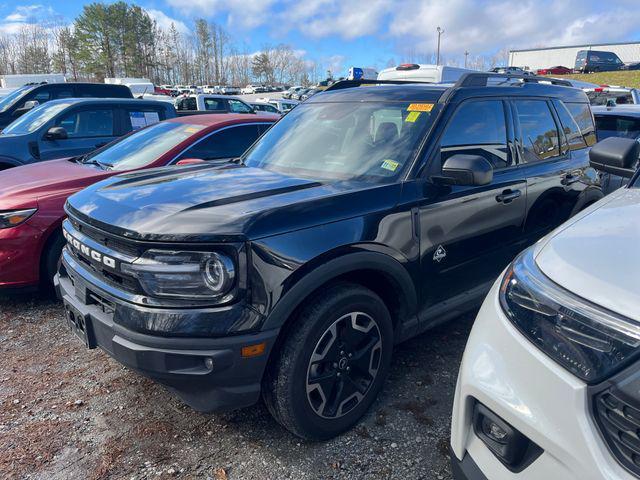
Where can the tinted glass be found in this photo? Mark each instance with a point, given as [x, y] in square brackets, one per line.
[582, 115]
[40, 96]
[35, 118]
[610, 98]
[478, 128]
[572, 133]
[214, 104]
[188, 103]
[88, 123]
[614, 126]
[228, 143]
[63, 93]
[538, 130]
[236, 106]
[368, 141]
[144, 146]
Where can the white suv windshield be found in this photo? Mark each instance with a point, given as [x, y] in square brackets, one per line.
[369, 140]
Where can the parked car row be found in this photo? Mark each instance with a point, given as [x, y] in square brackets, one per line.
[236, 257]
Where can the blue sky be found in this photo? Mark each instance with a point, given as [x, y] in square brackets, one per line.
[341, 33]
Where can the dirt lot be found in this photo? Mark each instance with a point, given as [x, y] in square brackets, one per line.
[66, 412]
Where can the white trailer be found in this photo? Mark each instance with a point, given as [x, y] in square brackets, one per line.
[15, 81]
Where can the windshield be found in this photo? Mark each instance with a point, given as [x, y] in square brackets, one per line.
[615, 126]
[6, 102]
[144, 146]
[367, 140]
[34, 119]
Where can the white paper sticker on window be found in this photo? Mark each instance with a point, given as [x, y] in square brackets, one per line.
[151, 117]
[137, 120]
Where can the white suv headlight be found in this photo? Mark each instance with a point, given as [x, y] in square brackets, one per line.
[588, 340]
[197, 275]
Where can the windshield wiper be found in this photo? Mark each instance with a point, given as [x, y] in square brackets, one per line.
[86, 160]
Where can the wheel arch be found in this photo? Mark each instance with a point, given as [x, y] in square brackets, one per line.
[379, 272]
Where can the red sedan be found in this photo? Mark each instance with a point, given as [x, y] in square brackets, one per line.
[558, 70]
[32, 197]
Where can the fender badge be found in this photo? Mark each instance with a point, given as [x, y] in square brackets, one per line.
[439, 254]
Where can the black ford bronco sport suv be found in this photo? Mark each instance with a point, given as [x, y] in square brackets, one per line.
[365, 216]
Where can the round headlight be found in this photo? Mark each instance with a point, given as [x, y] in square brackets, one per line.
[218, 273]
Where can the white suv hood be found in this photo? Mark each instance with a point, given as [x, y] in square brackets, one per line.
[597, 254]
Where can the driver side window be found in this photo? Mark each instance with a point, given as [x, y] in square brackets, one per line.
[478, 128]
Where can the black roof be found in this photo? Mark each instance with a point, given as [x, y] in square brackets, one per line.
[617, 111]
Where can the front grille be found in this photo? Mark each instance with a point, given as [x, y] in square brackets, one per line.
[109, 241]
[619, 423]
[120, 250]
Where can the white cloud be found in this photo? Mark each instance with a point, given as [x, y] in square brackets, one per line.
[27, 15]
[244, 13]
[164, 21]
[490, 26]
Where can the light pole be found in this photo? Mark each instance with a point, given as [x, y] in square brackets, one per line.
[440, 32]
[466, 55]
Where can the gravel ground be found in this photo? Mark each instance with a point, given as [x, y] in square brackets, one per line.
[66, 412]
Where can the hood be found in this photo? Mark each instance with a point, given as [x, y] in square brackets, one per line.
[25, 184]
[214, 203]
[597, 257]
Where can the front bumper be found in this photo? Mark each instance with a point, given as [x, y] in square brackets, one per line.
[208, 374]
[19, 256]
[509, 375]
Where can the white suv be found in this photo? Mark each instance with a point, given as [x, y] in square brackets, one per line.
[549, 386]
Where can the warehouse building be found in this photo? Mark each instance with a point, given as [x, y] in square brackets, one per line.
[535, 58]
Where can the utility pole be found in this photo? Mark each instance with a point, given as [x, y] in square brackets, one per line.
[440, 32]
[466, 55]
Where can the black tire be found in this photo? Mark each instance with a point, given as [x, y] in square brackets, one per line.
[344, 317]
[51, 257]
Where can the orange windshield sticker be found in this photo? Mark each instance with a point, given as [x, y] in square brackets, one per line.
[420, 107]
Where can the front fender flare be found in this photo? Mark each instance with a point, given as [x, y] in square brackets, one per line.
[334, 268]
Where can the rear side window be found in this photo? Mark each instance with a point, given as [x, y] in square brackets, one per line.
[614, 126]
[570, 128]
[581, 112]
[478, 128]
[214, 104]
[88, 123]
[140, 118]
[228, 143]
[538, 130]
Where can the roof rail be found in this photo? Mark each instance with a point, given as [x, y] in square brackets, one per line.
[356, 83]
[482, 79]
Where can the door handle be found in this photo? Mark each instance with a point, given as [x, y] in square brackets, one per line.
[508, 196]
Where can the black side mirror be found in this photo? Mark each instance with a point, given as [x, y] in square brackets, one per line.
[56, 133]
[616, 155]
[471, 170]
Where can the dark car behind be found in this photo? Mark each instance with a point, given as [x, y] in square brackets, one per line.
[23, 99]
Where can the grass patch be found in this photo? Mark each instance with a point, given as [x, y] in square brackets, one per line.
[623, 78]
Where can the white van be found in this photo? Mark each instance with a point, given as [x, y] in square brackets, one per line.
[423, 73]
